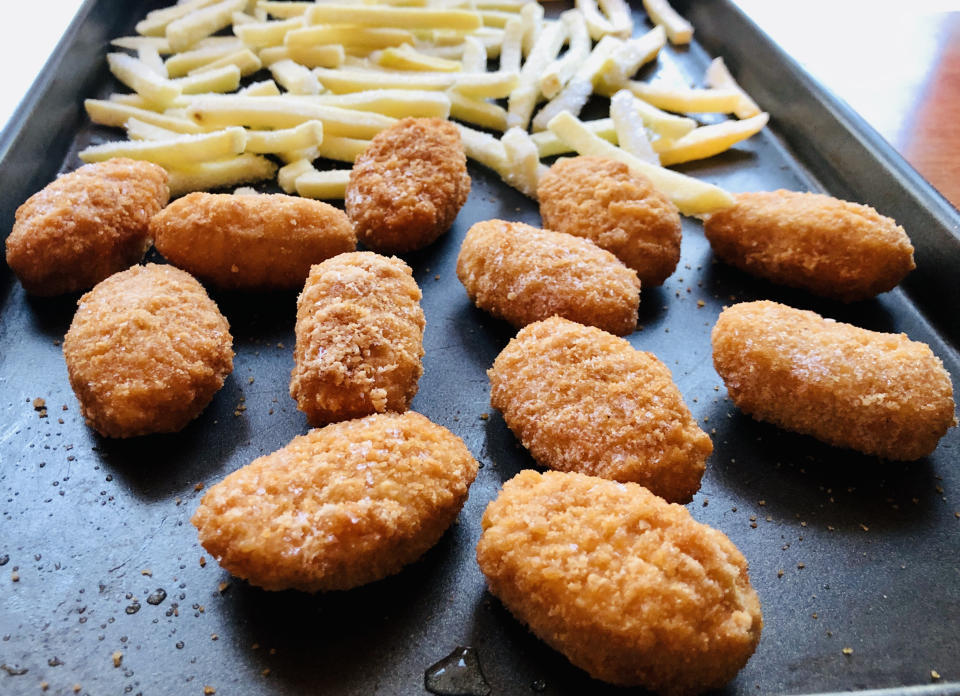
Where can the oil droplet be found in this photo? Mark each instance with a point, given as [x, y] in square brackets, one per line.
[157, 596]
[458, 674]
[133, 608]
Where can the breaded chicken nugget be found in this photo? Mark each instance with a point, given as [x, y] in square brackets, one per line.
[524, 274]
[85, 226]
[618, 209]
[826, 246]
[408, 185]
[627, 586]
[340, 506]
[877, 393]
[250, 242]
[583, 400]
[359, 338]
[146, 351]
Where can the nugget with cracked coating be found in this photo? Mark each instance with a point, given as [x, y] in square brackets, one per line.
[339, 507]
[818, 243]
[146, 351]
[524, 274]
[877, 393]
[581, 399]
[266, 241]
[359, 338]
[618, 209]
[627, 586]
[408, 185]
[85, 226]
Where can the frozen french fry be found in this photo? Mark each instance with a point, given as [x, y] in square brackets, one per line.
[707, 141]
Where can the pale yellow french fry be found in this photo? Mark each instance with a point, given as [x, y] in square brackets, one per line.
[150, 56]
[141, 79]
[532, 16]
[548, 144]
[492, 39]
[346, 80]
[556, 75]
[631, 131]
[523, 98]
[184, 149]
[324, 186]
[691, 196]
[474, 55]
[325, 56]
[245, 59]
[707, 141]
[496, 18]
[396, 103]
[245, 191]
[680, 99]
[663, 124]
[631, 55]
[511, 51]
[108, 113]
[367, 38]
[263, 34]
[718, 77]
[264, 88]
[399, 17]
[182, 33]
[225, 79]
[309, 134]
[203, 176]
[504, 5]
[482, 85]
[679, 30]
[341, 149]
[140, 130]
[523, 169]
[273, 54]
[135, 43]
[284, 9]
[621, 19]
[483, 148]
[241, 18]
[291, 156]
[180, 64]
[155, 23]
[288, 174]
[294, 78]
[598, 25]
[405, 57]
[477, 111]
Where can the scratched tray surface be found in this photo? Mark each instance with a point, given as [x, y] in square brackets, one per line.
[99, 558]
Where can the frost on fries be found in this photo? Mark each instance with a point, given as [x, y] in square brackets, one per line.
[305, 135]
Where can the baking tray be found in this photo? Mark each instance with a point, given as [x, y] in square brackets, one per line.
[869, 550]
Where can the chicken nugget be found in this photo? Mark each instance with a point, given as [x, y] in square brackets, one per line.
[877, 393]
[583, 400]
[359, 338]
[524, 274]
[408, 185]
[615, 207]
[340, 506]
[250, 242]
[627, 586]
[85, 226]
[833, 248]
[146, 351]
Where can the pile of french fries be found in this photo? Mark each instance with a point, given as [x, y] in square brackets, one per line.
[341, 71]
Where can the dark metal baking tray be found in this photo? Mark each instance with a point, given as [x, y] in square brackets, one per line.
[870, 550]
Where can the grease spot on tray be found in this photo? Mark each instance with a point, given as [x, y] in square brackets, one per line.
[458, 674]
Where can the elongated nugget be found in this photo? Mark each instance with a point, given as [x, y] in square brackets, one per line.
[877, 393]
[826, 246]
[250, 242]
[618, 209]
[583, 400]
[340, 506]
[359, 338]
[408, 185]
[85, 226]
[146, 351]
[627, 586]
[523, 274]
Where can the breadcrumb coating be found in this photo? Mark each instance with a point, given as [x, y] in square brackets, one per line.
[146, 351]
[618, 209]
[359, 338]
[85, 226]
[408, 185]
[524, 274]
[627, 586]
[339, 507]
[829, 247]
[583, 400]
[877, 393]
[250, 242]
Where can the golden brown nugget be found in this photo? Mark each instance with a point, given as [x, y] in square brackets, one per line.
[877, 393]
[85, 226]
[359, 338]
[146, 351]
[829, 247]
[523, 274]
[627, 586]
[408, 185]
[250, 242]
[618, 209]
[339, 507]
[583, 400]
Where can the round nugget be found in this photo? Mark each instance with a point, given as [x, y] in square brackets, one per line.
[618, 209]
[250, 242]
[340, 506]
[877, 393]
[408, 185]
[583, 400]
[146, 351]
[627, 586]
[359, 338]
[829, 247]
[524, 274]
[85, 226]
